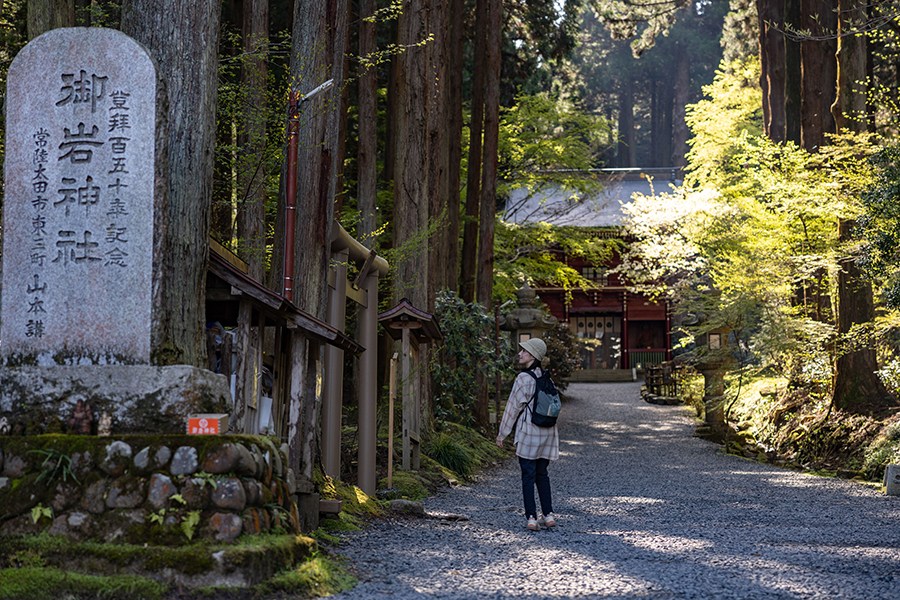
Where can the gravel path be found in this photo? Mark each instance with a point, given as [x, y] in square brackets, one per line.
[644, 510]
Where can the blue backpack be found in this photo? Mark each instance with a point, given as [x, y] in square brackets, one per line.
[545, 405]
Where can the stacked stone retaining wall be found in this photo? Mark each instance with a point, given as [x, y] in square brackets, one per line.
[165, 489]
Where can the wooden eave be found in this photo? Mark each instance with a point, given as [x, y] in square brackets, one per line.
[405, 312]
[279, 305]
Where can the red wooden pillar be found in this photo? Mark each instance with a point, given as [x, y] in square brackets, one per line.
[625, 364]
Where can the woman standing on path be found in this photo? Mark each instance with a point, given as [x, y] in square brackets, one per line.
[535, 446]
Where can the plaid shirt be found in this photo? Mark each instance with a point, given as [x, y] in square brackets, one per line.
[531, 441]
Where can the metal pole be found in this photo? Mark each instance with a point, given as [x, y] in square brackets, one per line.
[290, 200]
[291, 195]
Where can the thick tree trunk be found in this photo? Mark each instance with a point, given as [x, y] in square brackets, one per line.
[819, 73]
[317, 49]
[792, 74]
[763, 63]
[343, 120]
[680, 131]
[454, 117]
[469, 261]
[410, 218]
[771, 24]
[367, 166]
[251, 217]
[183, 35]
[849, 108]
[44, 15]
[488, 203]
[485, 279]
[656, 134]
[317, 57]
[856, 386]
[438, 157]
[626, 151]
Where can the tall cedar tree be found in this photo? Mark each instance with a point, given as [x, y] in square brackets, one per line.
[469, 262]
[182, 35]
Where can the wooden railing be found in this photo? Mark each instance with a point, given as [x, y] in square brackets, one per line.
[645, 357]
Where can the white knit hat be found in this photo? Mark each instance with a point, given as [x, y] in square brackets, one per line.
[535, 347]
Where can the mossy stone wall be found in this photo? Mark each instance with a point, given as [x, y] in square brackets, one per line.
[161, 490]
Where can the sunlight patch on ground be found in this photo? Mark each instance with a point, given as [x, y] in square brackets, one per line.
[584, 575]
[662, 544]
[636, 500]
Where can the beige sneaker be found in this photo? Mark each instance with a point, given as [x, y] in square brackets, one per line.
[533, 524]
[547, 521]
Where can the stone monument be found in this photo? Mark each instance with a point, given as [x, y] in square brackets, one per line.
[83, 223]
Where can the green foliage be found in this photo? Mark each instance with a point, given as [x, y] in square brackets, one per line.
[189, 523]
[731, 111]
[533, 251]
[885, 450]
[56, 465]
[562, 354]
[52, 583]
[251, 139]
[541, 138]
[879, 225]
[468, 348]
[752, 251]
[449, 452]
[40, 511]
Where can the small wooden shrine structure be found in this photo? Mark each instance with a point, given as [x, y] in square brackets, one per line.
[413, 328]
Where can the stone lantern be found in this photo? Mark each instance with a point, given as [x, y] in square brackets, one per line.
[526, 321]
[712, 364]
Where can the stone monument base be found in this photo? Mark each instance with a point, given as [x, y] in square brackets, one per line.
[137, 398]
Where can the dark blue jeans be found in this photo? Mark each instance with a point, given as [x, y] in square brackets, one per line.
[535, 471]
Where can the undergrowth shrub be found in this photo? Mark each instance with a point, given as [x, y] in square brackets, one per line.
[884, 451]
[808, 432]
[450, 453]
[562, 354]
[468, 348]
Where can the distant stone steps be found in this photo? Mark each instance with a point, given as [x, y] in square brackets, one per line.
[601, 375]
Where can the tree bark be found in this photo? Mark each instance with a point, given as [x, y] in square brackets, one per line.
[680, 131]
[438, 157]
[849, 108]
[856, 386]
[469, 261]
[763, 63]
[367, 166]
[453, 107]
[44, 15]
[488, 210]
[182, 35]
[317, 56]
[488, 202]
[626, 151]
[251, 217]
[818, 72]
[792, 74]
[410, 218]
[771, 24]
[317, 49]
